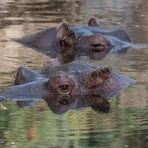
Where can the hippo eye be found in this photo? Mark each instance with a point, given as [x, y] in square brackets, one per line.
[64, 88]
[97, 47]
[64, 101]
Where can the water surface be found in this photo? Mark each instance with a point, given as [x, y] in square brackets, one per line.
[37, 127]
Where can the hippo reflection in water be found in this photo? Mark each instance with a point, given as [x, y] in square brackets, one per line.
[68, 86]
[73, 41]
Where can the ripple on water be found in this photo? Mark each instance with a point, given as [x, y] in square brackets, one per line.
[37, 126]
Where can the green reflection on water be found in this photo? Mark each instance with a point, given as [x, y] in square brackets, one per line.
[38, 127]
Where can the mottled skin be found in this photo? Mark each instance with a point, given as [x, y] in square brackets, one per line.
[69, 86]
[68, 42]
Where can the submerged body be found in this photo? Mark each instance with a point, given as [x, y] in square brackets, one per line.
[69, 86]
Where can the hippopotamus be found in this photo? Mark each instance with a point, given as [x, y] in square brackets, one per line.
[68, 86]
[70, 41]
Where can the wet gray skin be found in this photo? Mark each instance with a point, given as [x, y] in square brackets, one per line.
[73, 41]
[68, 86]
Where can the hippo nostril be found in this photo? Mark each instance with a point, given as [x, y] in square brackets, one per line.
[64, 88]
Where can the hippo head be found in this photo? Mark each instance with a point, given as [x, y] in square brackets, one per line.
[63, 91]
[75, 41]
[70, 41]
[67, 93]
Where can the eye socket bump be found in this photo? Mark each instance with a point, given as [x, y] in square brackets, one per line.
[97, 45]
[64, 88]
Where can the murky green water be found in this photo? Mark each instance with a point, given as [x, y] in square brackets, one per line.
[126, 126]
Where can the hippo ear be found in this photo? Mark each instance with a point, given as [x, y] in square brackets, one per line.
[65, 33]
[25, 75]
[92, 22]
[67, 41]
[98, 76]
